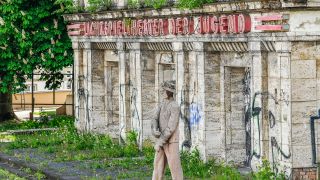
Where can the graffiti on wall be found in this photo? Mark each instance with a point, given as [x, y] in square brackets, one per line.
[134, 109]
[195, 116]
[247, 113]
[122, 105]
[186, 120]
[313, 137]
[133, 100]
[276, 149]
[252, 115]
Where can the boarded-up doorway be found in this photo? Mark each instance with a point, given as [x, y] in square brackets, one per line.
[112, 98]
[234, 111]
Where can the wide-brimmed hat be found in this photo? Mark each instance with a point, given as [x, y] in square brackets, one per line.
[169, 86]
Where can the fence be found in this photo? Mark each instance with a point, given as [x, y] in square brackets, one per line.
[36, 100]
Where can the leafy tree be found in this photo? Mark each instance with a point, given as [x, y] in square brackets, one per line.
[33, 36]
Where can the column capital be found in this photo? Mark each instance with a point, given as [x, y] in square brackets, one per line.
[254, 47]
[135, 46]
[87, 45]
[121, 46]
[75, 45]
[283, 47]
[198, 46]
[177, 46]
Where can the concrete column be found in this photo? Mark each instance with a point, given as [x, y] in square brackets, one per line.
[76, 73]
[223, 114]
[123, 104]
[179, 60]
[87, 85]
[135, 91]
[284, 126]
[86, 3]
[199, 97]
[256, 90]
[122, 3]
[158, 78]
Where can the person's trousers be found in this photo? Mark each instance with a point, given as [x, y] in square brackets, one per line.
[168, 154]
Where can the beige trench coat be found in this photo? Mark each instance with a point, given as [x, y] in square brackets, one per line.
[165, 127]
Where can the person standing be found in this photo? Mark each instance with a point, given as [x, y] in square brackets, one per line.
[165, 127]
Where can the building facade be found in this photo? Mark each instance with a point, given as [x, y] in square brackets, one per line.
[43, 95]
[247, 78]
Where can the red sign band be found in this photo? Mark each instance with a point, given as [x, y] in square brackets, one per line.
[231, 24]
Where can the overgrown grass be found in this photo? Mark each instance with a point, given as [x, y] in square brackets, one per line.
[194, 167]
[67, 144]
[45, 113]
[7, 175]
[57, 121]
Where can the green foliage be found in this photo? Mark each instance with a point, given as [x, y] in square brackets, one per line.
[99, 5]
[69, 6]
[134, 4]
[57, 121]
[33, 36]
[71, 145]
[156, 4]
[193, 166]
[265, 173]
[132, 137]
[191, 4]
[7, 175]
[131, 149]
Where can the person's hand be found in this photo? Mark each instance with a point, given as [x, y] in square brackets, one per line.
[157, 147]
[159, 144]
[157, 133]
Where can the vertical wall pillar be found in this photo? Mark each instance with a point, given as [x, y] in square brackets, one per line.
[122, 3]
[76, 73]
[158, 78]
[87, 90]
[197, 107]
[123, 104]
[284, 126]
[256, 90]
[135, 91]
[179, 59]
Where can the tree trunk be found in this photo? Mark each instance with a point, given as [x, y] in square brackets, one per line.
[6, 110]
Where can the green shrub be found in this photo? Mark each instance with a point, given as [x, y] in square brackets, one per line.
[191, 4]
[62, 121]
[131, 150]
[156, 4]
[265, 172]
[193, 166]
[132, 137]
[99, 5]
[134, 4]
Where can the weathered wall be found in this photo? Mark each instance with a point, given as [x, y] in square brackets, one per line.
[305, 99]
[148, 100]
[96, 92]
[112, 97]
[214, 120]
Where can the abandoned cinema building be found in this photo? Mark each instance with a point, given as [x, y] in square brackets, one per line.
[247, 77]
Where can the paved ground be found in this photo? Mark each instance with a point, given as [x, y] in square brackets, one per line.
[25, 114]
[44, 163]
